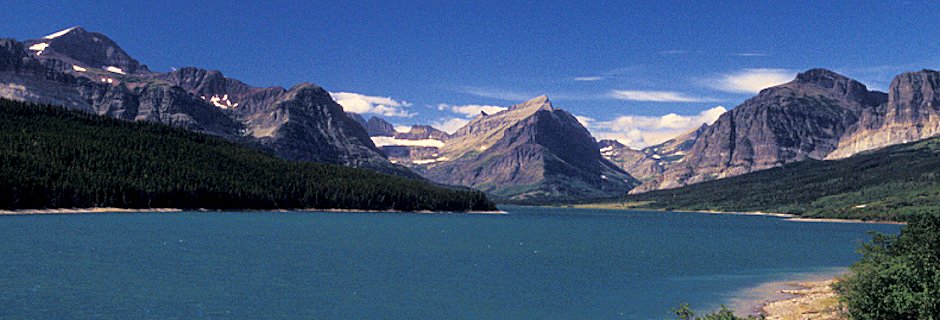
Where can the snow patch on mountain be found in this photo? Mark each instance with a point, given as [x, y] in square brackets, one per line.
[391, 141]
[115, 69]
[59, 34]
[79, 69]
[39, 47]
[221, 102]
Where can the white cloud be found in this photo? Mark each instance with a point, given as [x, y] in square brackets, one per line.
[752, 80]
[585, 121]
[402, 129]
[588, 78]
[655, 96]
[751, 54]
[450, 125]
[642, 131]
[470, 110]
[360, 103]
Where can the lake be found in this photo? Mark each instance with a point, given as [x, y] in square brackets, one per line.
[533, 263]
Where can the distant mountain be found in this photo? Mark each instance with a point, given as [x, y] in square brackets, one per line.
[421, 132]
[803, 119]
[54, 158]
[530, 152]
[648, 164]
[893, 183]
[90, 72]
[378, 127]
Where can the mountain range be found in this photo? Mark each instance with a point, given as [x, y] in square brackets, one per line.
[87, 71]
[530, 152]
[819, 115]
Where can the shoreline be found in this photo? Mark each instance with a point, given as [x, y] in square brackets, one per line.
[62, 211]
[835, 220]
[810, 297]
[811, 300]
[788, 216]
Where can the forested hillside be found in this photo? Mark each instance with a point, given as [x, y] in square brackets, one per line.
[894, 183]
[54, 158]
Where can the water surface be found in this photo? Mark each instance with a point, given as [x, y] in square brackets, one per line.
[533, 263]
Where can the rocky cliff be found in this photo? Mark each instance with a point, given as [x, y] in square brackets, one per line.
[911, 113]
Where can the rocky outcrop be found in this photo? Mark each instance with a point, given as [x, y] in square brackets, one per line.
[911, 113]
[803, 119]
[531, 151]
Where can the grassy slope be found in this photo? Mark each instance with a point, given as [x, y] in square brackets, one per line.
[53, 158]
[893, 183]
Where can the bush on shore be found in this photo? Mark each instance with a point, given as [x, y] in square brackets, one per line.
[898, 276]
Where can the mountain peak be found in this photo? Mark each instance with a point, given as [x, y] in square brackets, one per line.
[77, 46]
[538, 103]
[836, 83]
[828, 79]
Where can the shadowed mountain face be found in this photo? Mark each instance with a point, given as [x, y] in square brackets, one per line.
[531, 151]
[87, 71]
[803, 119]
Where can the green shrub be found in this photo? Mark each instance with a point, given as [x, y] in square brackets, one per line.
[898, 276]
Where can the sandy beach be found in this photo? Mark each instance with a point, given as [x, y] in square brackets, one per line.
[812, 301]
[809, 299]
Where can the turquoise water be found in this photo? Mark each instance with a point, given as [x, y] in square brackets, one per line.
[533, 263]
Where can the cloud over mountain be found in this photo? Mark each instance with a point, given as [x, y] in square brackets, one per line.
[361, 104]
[640, 131]
[751, 80]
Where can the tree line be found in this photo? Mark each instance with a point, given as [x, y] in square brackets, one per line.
[51, 157]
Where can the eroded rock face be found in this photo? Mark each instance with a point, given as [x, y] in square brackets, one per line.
[911, 113]
[530, 151]
[803, 119]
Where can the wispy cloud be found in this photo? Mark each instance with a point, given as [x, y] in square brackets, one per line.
[642, 131]
[751, 54]
[655, 96]
[470, 110]
[751, 80]
[361, 104]
[589, 78]
[671, 52]
[496, 93]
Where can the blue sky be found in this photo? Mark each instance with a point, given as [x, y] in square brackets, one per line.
[637, 71]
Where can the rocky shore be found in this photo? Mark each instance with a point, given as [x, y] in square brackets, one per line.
[814, 300]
